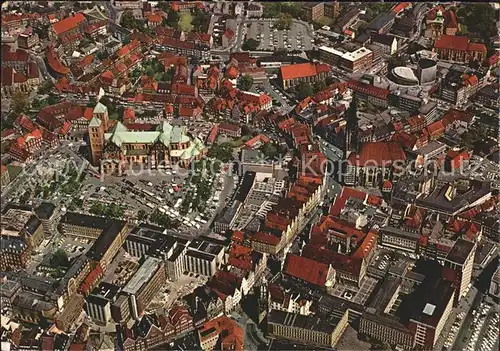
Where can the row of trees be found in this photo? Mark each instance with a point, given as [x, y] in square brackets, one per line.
[250, 45]
[108, 210]
[304, 89]
[222, 152]
[478, 20]
[246, 82]
[159, 218]
[275, 9]
[272, 150]
[284, 21]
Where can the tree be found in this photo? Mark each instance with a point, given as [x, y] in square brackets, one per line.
[250, 44]
[120, 109]
[330, 81]
[19, 102]
[246, 82]
[304, 90]
[172, 17]
[52, 99]
[280, 52]
[284, 21]
[96, 209]
[59, 259]
[128, 21]
[45, 87]
[41, 29]
[101, 55]
[222, 152]
[185, 22]
[269, 150]
[141, 215]
[319, 86]
[201, 20]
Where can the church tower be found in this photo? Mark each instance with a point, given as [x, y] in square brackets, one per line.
[101, 112]
[351, 142]
[96, 137]
[437, 26]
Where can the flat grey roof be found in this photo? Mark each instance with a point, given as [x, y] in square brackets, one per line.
[142, 276]
[302, 322]
[460, 251]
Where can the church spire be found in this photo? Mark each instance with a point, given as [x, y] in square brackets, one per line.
[351, 143]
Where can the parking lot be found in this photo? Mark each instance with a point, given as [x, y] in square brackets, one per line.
[295, 38]
[164, 191]
[280, 99]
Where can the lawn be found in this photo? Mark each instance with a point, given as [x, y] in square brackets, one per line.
[185, 22]
[325, 21]
[240, 141]
[14, 171]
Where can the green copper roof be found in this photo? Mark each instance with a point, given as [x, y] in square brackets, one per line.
[165, 130]
[119, 127]
[179, 135]
[95, 122]
[165, 133]
[128, 137]
[100, 108]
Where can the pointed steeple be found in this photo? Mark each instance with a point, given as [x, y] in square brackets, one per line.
[351, 143]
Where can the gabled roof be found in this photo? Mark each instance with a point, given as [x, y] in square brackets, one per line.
[68, 23]
[302, 70]
[95, 122]
[100, 108]
[306, 269]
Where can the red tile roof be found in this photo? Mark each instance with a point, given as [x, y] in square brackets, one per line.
[306, 269]
[367, 89]
[68, 23]
[477, 47]
[229, 127]
[229, 33]
[367, 246]
[436, 129]
[7, 76]
[266, 238]
[33, 72]
[154, 18]
[18, 55]
[259, 100]
[340, 262]
[400, 7]
[377, 154]
[230, 333]
[457, 158]
[450, 19]
[232, 72]
[459, 43]
[302, 70]
[261, 137]
[54, 62]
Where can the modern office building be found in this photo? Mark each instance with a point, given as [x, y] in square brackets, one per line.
[426, 70]
[352, 61]
[461, 260]
[313, 10]
[309, 330]
[98, 303]
[430, 313]
[146, 282]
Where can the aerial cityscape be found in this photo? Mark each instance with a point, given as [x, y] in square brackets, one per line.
[242, 175]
